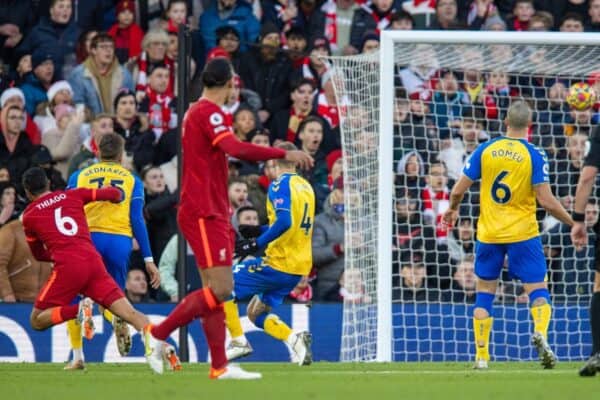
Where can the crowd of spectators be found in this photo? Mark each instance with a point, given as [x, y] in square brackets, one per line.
[73, 70]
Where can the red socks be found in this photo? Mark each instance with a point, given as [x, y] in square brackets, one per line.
[200, 303]
[214, 330]
[186, 311]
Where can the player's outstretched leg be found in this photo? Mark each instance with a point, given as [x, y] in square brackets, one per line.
[239, 346]
[203, 303]
[482, 327]
[541, 312]
[154, 348]
[299, 342]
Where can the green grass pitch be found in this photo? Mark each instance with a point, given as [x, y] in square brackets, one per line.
[366, 381]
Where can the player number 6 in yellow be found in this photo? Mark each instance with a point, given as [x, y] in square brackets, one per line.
[501, 191]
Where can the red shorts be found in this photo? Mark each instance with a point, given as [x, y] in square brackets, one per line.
[87, 277]
[211, 239]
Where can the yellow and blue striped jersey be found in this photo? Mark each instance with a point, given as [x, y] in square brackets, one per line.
[103, 216]
[509, 169]
[291, 252]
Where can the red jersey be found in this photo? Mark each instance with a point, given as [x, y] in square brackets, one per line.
[57, 221]
[207, 138]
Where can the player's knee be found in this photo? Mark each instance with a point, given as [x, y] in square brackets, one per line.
[539, 297]
[223, 291]
[35, 323]
[483, 305]
[254, 309]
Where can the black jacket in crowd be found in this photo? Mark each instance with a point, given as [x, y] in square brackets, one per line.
[272, 80]
[139, 142]
[161, 219]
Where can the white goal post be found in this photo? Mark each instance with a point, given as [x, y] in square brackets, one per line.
[370, 82]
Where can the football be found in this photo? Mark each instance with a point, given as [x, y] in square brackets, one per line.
[581, 96]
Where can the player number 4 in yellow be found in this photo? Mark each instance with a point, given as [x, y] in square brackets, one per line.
[306, 223]
[501, 191]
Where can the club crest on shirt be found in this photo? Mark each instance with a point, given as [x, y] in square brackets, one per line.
[223, 254]
[215, 119]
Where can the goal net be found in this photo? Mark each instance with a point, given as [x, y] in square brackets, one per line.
[413, 114]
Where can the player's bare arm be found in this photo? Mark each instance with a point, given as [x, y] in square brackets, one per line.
[544, 196]
[551, 204]
[456, 196]
[584, 190]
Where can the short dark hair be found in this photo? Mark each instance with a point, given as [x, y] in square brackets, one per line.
[245, 208]
[308, 120]
[400, 15]
[258, 132]
[304, 81]
[154, 67]
[236, 180]
[35, 181]
[573, 16]
[111, 146]
[524, 1]
[100, 38]
[217, 73]
[53, 3]
[171, 2]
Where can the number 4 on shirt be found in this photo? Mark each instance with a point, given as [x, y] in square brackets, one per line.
[306, 223]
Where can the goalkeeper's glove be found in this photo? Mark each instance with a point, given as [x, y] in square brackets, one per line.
[249, 231]
[245, 248]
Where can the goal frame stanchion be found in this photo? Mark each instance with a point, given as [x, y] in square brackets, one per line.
[388, 40]
[385, 202]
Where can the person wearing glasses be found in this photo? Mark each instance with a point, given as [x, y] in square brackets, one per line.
[97, 81]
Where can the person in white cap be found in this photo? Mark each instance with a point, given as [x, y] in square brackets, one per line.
[59, 93]
[15, 96]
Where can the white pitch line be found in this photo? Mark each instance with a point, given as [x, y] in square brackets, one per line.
[434, 372]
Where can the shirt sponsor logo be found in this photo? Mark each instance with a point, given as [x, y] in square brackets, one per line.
[278, 202]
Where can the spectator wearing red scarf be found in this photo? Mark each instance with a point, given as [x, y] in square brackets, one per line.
[154, 51]
[375, 15]
[127, 34]
[159, 102]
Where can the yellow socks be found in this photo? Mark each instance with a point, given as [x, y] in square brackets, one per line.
[107, 315]
[75, 338]
[482, 329]
[541, 318]
[232, 319]
[276, 327]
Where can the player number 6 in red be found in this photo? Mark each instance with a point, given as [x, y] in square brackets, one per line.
[65, 225]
